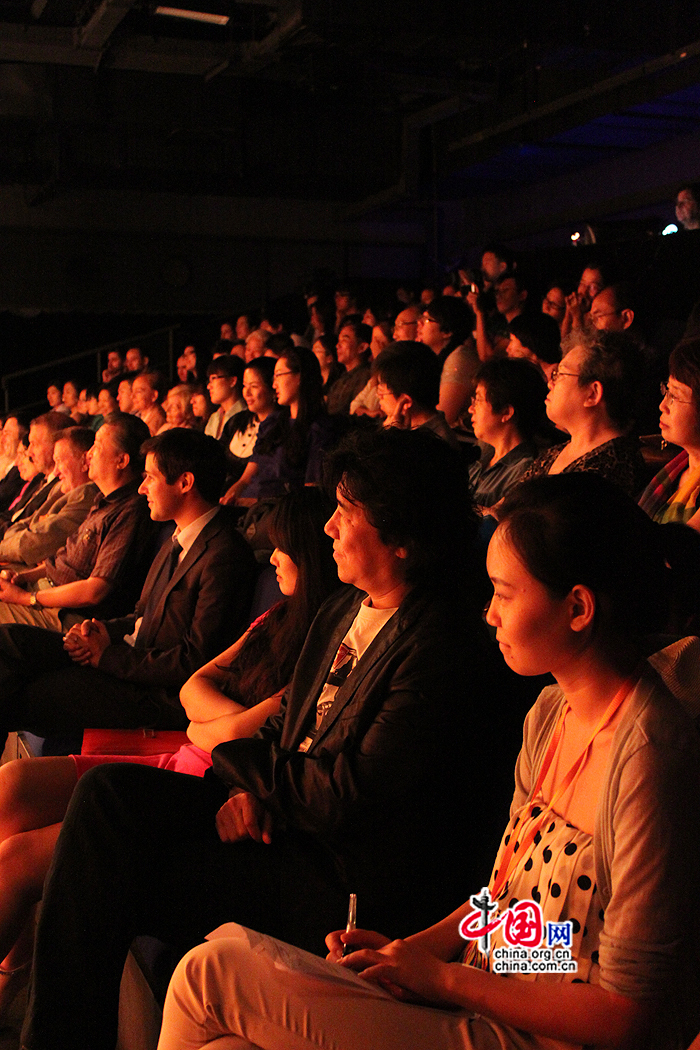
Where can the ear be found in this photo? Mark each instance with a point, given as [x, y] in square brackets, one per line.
[507, 414]
[401, 552]
[627, 317]
[595, 394]
[582, 607]
[186, 482]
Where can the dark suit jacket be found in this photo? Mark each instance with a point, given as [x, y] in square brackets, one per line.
[381, 797]
[202, 611]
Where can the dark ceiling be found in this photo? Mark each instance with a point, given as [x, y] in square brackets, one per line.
[361, 101]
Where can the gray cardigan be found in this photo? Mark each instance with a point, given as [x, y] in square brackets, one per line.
[647, 851]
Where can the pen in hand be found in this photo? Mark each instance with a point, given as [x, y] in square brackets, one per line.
[352, 922]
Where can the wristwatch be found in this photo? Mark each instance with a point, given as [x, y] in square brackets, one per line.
[33, 600]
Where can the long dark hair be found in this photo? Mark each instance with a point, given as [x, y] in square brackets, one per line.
[266, 661]
[293, 435]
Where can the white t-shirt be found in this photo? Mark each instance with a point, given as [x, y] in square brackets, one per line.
[361, 633]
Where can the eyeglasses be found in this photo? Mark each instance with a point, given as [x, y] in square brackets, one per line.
[278, 375]
[427, 320]
[404, 324]
[557, 373]
[478, 400]
[610, 313]
[669, 398]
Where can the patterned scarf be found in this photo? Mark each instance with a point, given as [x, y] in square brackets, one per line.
[664, 500]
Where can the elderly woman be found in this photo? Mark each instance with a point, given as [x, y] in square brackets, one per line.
[674, 494]
[178, 410]
[592, 397]
[506, 412]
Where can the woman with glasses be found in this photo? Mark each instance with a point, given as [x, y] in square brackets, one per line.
[674, 494]
[290, 443]
[593, 397]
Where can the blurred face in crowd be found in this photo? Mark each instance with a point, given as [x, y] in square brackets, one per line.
[83, 403]
[142, 395]
[429, 332]
[605, 315]
[135, 361]
[243, 329]
[25, 465]
[406, 324]
[687, 210]
[566, 397]
[114, 362]
[200, 406]
[176, 406]
[380, 341]
[491, 268]
[509, 298]
[106, 460]
[10, 437]
[106, 403]
[254, 346]
[486, 423]
[53, 396]
[41, 447]
[590, 285]
[182, 369]
[286, 383]
[70, 395]
[256, 394]
[227, 332]
[680, 418]
[70, 464]
[554, 304]
[350, 348]
[190, 356]
[124, 399]
[221, 387]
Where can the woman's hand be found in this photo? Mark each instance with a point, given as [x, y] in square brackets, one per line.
[354, 939]
[407, 972]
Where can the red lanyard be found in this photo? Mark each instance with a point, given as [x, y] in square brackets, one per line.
[504, 870]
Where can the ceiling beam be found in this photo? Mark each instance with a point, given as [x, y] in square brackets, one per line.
[97, 31]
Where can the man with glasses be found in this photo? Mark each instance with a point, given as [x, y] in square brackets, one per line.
[406, 324]
[224, 386]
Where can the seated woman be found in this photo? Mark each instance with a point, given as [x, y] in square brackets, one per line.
[507, 410]
[202, 408]
[290, 443]
[241, 431]
[592, 396]
[178, 410]
[228, 698]
[602, 840]
[674, 494]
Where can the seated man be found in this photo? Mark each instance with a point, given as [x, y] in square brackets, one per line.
[102, 565]
[408, 388]
[359, 784]
[224, 386]
[43, 433]
[354, 340]
[194, 603]
[33, 539]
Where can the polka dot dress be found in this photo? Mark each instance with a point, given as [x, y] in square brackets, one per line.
[557, 871]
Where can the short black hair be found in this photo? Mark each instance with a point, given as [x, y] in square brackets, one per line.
[229, 365]
[452, 315]
[539, 333]
[518, 383]
[411, 368]
[362, 331]
[130, 433]
[179, 451]
[414, 491]
[81, 438]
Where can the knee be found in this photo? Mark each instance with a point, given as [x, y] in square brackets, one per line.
[24, 862]
[15, 794]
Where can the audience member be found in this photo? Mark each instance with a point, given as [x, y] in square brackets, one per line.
[178, 410]
[32, 479]
[578, 303]
[241, 431]
[289, 448]
[14, 432]
[115, 366]
[245, 324]
[406, 324]
[366, 403]
[145, 398]
[102, 565]
[408, 387]
[346, 305]
[536, 338]
[496, 259]
[71, 394]
[507, 411]
[323, 348]
[124, 395]
[603, 836]
[128, 671]
[596, 410]
[181, 369]
[44, 431]
[674, 494]
[55, 399]
[445, 328]
[356, 783]
[107, 399]
[136, 360]
[612, 310]
[554, 303]
[33, 539]
[354, 339]
[224, 387]
[202, 407]
[226, 699]
[688, 206]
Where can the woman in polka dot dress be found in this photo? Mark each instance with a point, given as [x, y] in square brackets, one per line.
[603, 833]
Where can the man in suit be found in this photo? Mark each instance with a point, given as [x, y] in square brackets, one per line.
[127, 672]
[360, 784]
[29, 541]
[44, 431]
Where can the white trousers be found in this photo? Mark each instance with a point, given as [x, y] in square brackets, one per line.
[226, 996]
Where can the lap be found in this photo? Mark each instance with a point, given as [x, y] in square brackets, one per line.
[227, 988]
[32, 615]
